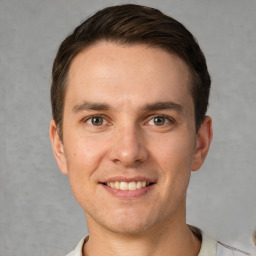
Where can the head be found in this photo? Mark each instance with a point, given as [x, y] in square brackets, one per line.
[130, 25]
[129, 94]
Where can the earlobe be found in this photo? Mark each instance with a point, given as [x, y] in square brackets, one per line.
[203, 142]
[57, 147]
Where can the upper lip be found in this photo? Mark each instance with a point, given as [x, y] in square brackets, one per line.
[128, 179]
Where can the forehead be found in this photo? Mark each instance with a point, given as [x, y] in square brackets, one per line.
[138, 71]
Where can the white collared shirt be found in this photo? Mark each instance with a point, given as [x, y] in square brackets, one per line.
[209, 247]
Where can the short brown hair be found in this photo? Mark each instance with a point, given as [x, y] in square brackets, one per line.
[132, 24]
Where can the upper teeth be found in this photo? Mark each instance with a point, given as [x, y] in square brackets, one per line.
[122, 185]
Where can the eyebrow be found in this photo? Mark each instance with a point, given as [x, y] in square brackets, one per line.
[165, 105]
[85, 105]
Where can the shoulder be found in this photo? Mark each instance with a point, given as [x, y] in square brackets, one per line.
[225, 250]
[71, 253]
[211, 247]
[78, 250]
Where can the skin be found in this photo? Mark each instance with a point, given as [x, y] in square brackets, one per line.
[125, 88]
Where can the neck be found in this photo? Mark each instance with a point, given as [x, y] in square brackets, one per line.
[168, 238]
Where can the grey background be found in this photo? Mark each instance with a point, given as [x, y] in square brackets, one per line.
[38, 215]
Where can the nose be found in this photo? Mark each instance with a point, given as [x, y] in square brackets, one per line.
[128, 147]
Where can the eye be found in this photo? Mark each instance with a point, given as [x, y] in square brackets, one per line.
[159, 120]
[96, 120]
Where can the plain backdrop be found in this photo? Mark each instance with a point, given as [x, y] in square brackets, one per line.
[38, 215]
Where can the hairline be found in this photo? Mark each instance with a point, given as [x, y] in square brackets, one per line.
[191, 72]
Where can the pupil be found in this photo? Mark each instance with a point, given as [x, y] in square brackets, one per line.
[97, 121]
[159, 121]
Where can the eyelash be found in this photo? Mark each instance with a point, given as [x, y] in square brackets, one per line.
[94, 116]
[151, 118]
[167, 118]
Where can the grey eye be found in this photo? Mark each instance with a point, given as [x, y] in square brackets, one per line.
[159, 120]
[97, 120]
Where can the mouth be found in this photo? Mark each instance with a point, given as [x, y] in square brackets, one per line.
[128, 186]
[124, 187]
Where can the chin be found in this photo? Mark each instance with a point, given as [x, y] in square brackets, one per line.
[129, 228]
[130, 224]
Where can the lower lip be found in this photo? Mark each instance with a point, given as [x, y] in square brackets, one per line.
[128, 194]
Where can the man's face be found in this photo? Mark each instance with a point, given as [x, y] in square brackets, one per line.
[129, 139]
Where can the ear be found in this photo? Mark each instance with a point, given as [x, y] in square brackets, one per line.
[57, 146]
[203, 141]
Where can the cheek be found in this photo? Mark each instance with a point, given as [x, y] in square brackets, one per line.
[175, 151]
[82, 161]
[174, 157]
[83, 157]
[84, 154]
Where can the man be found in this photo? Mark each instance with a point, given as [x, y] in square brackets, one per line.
[129, 95]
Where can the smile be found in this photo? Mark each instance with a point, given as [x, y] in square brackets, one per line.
[133, 185]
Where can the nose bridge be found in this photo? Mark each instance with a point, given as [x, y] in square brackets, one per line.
[128, 145]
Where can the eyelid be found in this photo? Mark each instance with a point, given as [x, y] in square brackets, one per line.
[107, 121]
[86, 119]
[168, 118]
